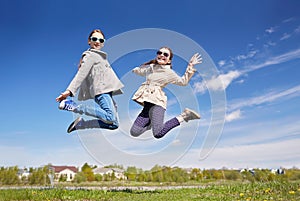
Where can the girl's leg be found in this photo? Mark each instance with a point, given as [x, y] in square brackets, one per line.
[104, 110]
[140, 125]
[107, 112]
[142, 122]
[160, 128]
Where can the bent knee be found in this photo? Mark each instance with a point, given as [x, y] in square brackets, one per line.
[157, 132]
[134, 132]
[157, 136]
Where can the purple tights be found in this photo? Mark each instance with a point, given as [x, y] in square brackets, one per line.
[153, 116]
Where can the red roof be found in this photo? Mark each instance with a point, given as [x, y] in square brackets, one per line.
[58, 169]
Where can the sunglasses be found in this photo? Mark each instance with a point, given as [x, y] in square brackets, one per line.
[95, 39]
[164, 53]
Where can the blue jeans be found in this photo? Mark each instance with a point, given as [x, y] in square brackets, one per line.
[104, 110]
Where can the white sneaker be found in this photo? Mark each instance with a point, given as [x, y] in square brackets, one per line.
[189, 114]
[67, 104]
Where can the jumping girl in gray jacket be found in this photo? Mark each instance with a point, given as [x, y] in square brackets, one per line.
[95, 79]
[151, 96]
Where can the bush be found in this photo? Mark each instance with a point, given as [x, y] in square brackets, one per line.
[80, 177]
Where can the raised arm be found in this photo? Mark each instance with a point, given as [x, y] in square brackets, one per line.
[190, 70]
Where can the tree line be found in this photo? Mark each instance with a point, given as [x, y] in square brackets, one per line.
[41, 176]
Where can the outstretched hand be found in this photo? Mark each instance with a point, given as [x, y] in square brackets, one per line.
[196, 59]
[63, 96]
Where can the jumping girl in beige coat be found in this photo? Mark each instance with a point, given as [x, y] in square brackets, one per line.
[151, 96]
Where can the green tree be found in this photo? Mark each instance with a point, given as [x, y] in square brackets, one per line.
[131, 173]
[292, 174]
[180, 175]
[232, 175]
[217, 174]
[196, 174]
[98, 177]
[141, 177]
[9, 176]
[80, 177]
[207, 174]
[157, 173]
[88, 172]
[115, 166]
[39, 176]
[148, 176]
[261, 175]
[246, 175]
[167, 174]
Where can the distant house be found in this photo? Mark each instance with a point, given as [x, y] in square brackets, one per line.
[277, 171]
[119, 173]
[66, 172]
[251, 170]
[23, 173]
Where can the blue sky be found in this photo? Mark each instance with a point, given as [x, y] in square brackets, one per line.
[254, 45]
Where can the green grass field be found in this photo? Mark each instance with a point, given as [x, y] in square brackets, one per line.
[222, 191]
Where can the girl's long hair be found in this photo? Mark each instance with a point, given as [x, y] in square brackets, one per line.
[154, 61]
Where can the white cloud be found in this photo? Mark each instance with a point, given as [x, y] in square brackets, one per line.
[249, 55]
[233, 116]
[297, 30]
[240, 81]
[285, 36]
[270, 30]
[294, 54]
[250, 45]
[271, 43]
[266, 98]
[288, 20]
[221, 63]
[222, 81]
[226, 79]
[199, 87]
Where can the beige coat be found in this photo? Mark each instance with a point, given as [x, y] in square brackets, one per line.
[95, 76]
[157, 77]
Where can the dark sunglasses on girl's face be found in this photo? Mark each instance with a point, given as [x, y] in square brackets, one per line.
[95, 39]
[164, 53]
